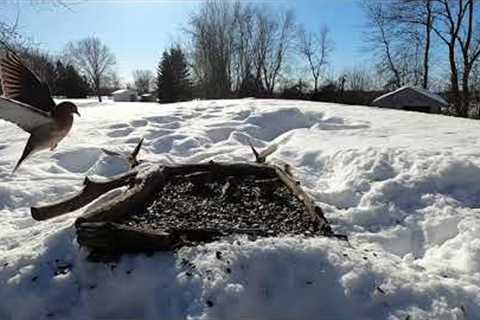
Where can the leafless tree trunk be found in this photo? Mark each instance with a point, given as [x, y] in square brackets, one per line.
[380, 37]
[469, 42]
[403, 29]
[94, 59]
[212, 34]
[316, 48]
[451, 16]
[416, 17]
[429, 18]
[237, 44]
[278, 44]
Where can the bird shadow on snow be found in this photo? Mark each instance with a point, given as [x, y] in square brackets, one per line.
[79, 160]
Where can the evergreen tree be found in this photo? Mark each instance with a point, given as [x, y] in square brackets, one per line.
[69, 82]
[173, 82]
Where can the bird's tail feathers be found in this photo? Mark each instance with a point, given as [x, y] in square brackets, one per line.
[26, 152]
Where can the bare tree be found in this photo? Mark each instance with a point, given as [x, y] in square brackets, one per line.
[212, 35]
[380, 37]
[316, 48]
[143, 80]
[243, 45]
[358, 79]
[469, 42]
[237, 46]
[94, 59]
[277, 39]
[396, 35]
[416, 18]
[457, 29]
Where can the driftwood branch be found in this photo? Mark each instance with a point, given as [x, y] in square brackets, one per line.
[315, 211]
[261, 157]
[145, 187]
[92, 189]
[135, 198]
[131, 158]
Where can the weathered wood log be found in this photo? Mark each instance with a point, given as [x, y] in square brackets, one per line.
[92, 189]
[134, 199]
[145, 188]
[200, 178]
[315, 211]
[262, 171]
[97, 229]
[112, 238]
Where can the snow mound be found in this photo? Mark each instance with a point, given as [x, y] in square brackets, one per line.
[402, 185]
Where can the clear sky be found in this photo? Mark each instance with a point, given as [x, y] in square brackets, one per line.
[138, 31]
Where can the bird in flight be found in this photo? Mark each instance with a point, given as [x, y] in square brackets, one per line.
[27, 102]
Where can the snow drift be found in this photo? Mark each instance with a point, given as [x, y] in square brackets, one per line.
[403, 186]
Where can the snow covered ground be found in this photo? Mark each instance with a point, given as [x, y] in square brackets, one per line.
[404, 186]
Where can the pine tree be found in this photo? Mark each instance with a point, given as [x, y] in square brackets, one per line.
[173, 77]
[69, 82]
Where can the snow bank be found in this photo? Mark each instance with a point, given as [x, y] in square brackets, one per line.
[402, 185]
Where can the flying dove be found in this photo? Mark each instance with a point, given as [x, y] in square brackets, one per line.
[27, 102]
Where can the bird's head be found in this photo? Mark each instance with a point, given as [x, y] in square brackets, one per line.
[67, 108]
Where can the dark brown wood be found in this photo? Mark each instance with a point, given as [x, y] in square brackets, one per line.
[315, 211]
[92, 189]
[258, 158]
[261, 157]
[240, 169]
[137, 197]
[132, 158]
[145, 187]
[112, 238]
[97, 229]
[200, 178]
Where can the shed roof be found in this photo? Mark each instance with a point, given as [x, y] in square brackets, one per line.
[124, 91]
[421, 91]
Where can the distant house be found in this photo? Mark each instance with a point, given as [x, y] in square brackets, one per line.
[124, 95]
[148, 97]
[411, 99]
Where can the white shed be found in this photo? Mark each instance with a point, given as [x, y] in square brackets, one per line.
[124, 95]
[412, 99]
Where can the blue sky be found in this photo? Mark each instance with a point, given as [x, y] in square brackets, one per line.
[138, 31]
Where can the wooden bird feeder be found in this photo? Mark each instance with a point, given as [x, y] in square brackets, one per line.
[101, 227]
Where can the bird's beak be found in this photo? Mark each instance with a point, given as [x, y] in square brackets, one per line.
[78, 114]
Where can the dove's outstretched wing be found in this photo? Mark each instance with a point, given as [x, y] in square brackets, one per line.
[20, 84]
[23, 115]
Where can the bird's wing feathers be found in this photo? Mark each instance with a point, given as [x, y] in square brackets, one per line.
[23, 115]
[20, 84]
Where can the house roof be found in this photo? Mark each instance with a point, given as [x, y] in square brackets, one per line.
[421, 91]
[124, 91]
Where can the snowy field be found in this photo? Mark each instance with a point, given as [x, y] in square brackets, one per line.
[404, 186]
